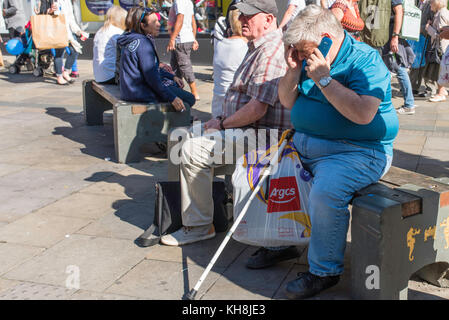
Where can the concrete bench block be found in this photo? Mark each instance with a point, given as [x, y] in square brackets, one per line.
[387, 249]
[134, 123]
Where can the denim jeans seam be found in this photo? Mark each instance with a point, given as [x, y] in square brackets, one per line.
[331, 254]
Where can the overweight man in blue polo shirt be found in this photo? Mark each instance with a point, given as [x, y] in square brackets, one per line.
[345, 126]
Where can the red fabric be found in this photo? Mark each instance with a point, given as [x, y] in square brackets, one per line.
[349, 22]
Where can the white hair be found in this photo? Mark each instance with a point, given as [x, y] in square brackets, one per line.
[310, 25]
[439, 3]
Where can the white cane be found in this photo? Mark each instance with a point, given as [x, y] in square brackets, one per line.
[192, 293]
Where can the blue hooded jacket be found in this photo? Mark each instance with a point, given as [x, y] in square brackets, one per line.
[140, 75]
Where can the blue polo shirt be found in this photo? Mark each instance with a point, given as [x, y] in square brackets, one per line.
[361, 69]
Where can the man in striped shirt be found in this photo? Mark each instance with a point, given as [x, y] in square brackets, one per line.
[251, 103]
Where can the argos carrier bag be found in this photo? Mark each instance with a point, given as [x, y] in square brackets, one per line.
[278, 215]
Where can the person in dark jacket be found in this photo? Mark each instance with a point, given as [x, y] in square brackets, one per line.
[141, 78]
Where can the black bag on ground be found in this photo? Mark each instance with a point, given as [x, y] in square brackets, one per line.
[167, 211]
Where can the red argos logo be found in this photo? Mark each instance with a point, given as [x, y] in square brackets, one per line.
[283, 195]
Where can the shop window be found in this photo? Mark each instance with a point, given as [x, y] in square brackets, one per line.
[206, 12]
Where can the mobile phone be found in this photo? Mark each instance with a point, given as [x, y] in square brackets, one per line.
[324, 47]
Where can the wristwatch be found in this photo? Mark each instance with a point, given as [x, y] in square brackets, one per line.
[395, 34]
[221, 123]
[222, 119]
[324, 82]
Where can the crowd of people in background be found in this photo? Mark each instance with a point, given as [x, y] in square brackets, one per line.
[400, 55]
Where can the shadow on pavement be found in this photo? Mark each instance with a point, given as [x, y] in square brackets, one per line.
[421, 164]
[206, 77]
[98, 140]
[25, 77]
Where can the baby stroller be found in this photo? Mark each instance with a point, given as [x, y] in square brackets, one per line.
[35, 60]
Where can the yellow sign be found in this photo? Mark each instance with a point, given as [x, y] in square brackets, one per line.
[94, 10]
[225, 6]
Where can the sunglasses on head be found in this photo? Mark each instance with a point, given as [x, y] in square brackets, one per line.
[148, 11]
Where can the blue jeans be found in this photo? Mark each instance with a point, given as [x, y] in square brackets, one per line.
[75, 64]
[185, 96]
[339, 169]
[406, 87]
[59, 55]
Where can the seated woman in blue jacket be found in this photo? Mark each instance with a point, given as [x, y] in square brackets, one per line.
[141, 79]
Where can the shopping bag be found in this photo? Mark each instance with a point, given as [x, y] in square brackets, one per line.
[278, 214]
[443, 77]
[411, 22]
[419, 49]
[49, 31]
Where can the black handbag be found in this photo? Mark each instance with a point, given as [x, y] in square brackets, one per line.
[434, 54]
[167, 211]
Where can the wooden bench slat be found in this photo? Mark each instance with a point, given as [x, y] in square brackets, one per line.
[410, 204]
[109, 91]
[398, 177]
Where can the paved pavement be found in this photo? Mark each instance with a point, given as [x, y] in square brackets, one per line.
[69, 212]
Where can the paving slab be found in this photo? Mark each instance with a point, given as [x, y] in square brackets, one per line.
[405, 138]
[14, 205]
[241, 283]
[161, 280]
[41, 230]
[84, 205]
[14, 254]
[9, 168]
[134, 185]
[35, 291]
[5, 284]
[91, 295]
[436, 143]
[36, 183]
[199, 253]
[101, 261]
[128, 222]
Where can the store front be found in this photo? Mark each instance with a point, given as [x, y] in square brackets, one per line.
[90, 14]
[206, 14]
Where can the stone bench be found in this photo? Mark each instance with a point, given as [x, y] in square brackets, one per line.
[400, 226]
[135, 123]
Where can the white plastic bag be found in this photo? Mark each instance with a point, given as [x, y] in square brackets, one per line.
[443, 77]
[278, 214]
[411, 21]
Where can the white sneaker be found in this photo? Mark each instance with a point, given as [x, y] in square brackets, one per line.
[187, 235]
[405, 110]
[438, 98]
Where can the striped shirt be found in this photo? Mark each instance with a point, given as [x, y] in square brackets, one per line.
[258, 78]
